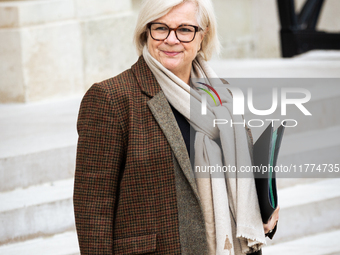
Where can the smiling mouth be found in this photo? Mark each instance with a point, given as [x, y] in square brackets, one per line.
[171, 53]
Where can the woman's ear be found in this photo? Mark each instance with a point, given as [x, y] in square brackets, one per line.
[205, 32]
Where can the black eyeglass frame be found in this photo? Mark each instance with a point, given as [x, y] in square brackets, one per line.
[197, 29]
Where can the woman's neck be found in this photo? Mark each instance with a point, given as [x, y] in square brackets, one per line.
[184, 76]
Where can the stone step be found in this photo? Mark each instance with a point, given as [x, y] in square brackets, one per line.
[41, 147]
[314, 64]
[325, 95]
[326, 243]
[289, 182]
[61, 244]
[305, 210]
[40, 210]
[308, 209]
[38, 142]
[323, 106]
[314, 147]
[320, 244]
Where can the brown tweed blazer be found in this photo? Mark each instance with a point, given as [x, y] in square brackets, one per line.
[134, 190]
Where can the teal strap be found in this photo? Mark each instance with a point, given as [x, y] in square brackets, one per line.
[272, 154]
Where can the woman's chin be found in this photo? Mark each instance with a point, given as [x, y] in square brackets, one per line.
[171, 64]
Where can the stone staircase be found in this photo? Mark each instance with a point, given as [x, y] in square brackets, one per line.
[37, 160]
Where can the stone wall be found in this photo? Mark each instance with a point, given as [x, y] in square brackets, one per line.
[57, 48]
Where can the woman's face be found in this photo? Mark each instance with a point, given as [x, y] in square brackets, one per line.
[171, 53]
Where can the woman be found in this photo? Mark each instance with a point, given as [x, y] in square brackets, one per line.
[135, 191]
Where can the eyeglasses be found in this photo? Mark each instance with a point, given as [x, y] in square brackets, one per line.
[184, 33]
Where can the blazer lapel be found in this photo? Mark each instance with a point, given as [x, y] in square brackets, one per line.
[162, 112]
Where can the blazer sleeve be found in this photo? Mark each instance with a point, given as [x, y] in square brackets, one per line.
[100, 158]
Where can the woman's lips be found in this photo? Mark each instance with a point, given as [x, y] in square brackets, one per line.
[171, 53]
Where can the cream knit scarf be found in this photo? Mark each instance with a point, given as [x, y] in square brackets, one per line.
[230, 206]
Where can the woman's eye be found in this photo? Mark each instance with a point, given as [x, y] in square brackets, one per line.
[185, 30]
[161, 28]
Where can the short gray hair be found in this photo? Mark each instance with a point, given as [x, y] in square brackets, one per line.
[154, 9]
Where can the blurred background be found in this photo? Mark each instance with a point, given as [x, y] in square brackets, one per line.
[52, 51]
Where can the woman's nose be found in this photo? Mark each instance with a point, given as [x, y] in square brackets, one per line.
[172, 39]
